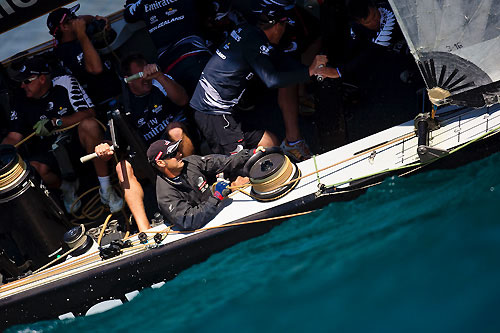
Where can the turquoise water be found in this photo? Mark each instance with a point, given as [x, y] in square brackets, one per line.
[419, 254]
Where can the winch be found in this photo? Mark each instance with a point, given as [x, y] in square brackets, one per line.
[271, 174]
[31, 223]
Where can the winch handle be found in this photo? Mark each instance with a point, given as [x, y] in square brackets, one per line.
[89, 157]
[255, 157]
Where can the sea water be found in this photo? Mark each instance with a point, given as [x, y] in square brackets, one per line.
[417, 254]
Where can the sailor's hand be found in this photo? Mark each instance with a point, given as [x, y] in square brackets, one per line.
[107, 27]
[44, 127]
[259, 148]
[220, 189]
[151, 72]
[318, 63]
[328, 72]
[103, 151]
[79, 25]
[239, 181]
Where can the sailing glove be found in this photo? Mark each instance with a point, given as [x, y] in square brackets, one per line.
[44, 127]
[220, 189]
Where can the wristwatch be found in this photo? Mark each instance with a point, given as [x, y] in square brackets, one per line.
[58, 122]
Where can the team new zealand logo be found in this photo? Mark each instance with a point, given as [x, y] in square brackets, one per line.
[265, 49]
[50, 106]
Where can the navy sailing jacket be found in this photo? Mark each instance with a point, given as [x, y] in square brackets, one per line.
[187, 200]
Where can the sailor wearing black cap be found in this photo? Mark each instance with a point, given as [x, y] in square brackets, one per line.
[248, 51]
[79, 56]
[52, 104]
[183, 192]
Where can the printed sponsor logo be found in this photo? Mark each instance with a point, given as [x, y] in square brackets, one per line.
[13, 115]
[80, 58]
[62, 111]
[171, 11]
[50, 106]
[164, 23]
[157, 5]
[249, 76]
[235, 35]
[265, 49]
[157, 108]
[155, 130]
[220, 54]
[153, 19]
[141, 122]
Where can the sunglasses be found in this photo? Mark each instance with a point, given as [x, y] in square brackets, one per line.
[29, 80]
[165, 156]
[171, 154]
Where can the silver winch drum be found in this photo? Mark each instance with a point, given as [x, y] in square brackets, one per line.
[271, 174]
[31, 223]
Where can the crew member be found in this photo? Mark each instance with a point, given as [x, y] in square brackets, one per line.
[246, 52]
[174, 27]
[52, 104]
[79, 56]
[156, 110]
[182, 186]
[376, 37]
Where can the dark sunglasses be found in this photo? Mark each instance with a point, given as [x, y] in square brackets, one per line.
[171, 154]
[29, 80]
[164, 156]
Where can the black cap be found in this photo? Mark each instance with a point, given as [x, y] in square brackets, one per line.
[162, 149]
[31, 66]
[58, 16]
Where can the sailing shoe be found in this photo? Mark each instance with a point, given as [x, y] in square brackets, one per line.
[70, 200]
[299, 151]
[111, 199]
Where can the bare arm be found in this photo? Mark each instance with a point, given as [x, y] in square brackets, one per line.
[93, 63]
[175, 92]
[318, 67]
[12, 138]
[77, 117]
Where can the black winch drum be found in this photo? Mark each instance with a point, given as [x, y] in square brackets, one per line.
[270, 170]
[28, 216]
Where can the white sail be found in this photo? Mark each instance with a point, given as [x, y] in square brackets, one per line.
[456, 44]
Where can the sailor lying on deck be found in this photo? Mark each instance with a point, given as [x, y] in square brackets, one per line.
[182, 185]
